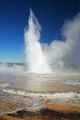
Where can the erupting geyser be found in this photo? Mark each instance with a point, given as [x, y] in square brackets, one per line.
[35, 59]
[59, 55]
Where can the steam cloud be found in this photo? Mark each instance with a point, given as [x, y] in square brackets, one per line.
[59, 55]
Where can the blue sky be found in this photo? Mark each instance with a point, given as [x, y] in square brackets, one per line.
[14, 16]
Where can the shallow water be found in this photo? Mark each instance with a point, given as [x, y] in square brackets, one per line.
[44, 83]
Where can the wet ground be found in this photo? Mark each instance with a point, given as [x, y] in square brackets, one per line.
[39, 97]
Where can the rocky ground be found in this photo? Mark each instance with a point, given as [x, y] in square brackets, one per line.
[50, 112]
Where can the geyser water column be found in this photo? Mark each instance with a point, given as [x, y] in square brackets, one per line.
[35, 59]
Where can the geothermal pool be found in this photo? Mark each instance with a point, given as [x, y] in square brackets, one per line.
[40, 83]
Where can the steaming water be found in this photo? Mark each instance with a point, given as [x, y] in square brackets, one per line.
[41, 82]
[35, 59]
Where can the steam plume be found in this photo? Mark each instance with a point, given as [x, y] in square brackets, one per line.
[65, 55]
[59, 55]
[35, 58]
